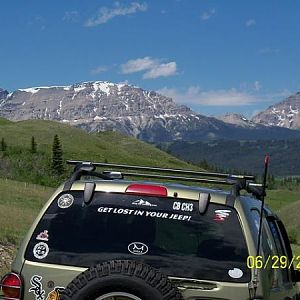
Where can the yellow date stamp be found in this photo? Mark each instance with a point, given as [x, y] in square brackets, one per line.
[273, 261]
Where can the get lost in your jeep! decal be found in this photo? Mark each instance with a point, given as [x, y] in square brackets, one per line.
[145, 213]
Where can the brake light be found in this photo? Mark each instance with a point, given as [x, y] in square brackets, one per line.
[11, 285]
[146, 189]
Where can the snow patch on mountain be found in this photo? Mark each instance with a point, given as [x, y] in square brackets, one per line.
[283, 114]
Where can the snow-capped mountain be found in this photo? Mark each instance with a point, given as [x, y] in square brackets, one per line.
[284, 114]
[236, 119]
[147, 115]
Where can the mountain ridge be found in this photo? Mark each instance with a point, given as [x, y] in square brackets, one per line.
[97, 106]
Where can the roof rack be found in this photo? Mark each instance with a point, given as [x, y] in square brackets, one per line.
[163, 170]
[238, 182]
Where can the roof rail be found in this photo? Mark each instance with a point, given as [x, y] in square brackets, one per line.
[238, 182]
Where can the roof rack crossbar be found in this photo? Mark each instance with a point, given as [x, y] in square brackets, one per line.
[166, 170]
[181, 178]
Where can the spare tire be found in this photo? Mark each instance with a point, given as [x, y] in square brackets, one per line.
[121, 279]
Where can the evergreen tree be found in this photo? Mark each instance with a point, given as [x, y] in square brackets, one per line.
[33, 145]
[57, 157]
[3, 145]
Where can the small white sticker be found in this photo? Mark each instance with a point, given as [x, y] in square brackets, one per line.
[138, 248]
[235, 273]
[142, 202]
[65, 201]
[40, 250]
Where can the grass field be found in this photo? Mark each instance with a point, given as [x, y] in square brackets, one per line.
[287, 205]
[19, 204]
[277, 199]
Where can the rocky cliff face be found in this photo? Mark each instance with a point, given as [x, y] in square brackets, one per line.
[284, 114]
[3, 94]
[147, 115]
[237, 119]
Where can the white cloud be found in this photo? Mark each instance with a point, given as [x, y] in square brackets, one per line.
[139, 64]
[194, 95]
[250, 22]
[105, 14]
[71, 16]
[98, 70]
[162, 70]
[38, 21]
[206, 15]
[125, 82]
[152, 67]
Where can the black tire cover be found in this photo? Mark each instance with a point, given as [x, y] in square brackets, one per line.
[125, 276]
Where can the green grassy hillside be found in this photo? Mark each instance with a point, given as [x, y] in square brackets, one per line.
[80, 145]
[17, 162]
[19, 204]
[280, 198]
[290, 215]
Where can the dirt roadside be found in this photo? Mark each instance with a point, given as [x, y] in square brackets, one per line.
[7, 252]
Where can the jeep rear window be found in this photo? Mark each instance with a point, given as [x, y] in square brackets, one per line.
[166, 233]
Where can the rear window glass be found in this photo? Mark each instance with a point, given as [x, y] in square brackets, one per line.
[166, 233]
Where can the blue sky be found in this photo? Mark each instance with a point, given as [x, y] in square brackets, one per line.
[213, 56]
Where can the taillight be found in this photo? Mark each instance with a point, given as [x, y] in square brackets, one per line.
[11, 286]
[147, 189]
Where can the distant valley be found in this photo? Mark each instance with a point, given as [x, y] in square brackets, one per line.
[241, 156]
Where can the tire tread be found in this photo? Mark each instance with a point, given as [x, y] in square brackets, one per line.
[149, 275]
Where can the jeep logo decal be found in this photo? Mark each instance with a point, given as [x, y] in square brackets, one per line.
[138, 248]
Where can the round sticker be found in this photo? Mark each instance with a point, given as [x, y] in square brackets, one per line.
[235, 273]
[65, 201]
[40, 250]
[138, 248]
